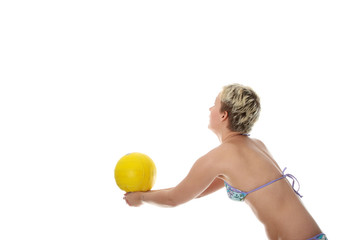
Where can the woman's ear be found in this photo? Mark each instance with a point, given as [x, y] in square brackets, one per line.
[224, 116]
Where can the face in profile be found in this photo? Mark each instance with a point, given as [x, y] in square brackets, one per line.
[215, 114]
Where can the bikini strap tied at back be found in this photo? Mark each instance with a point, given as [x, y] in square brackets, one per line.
[293, 182]
[283, 176]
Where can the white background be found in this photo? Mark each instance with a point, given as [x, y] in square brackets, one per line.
[85, 82]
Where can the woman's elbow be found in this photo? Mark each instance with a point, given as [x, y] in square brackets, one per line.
[172, 202]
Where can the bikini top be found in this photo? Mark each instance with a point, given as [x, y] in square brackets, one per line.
[238, 195]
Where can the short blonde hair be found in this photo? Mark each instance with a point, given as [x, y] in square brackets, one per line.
[242, 105]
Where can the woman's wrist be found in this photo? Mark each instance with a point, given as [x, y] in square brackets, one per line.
[142, 196]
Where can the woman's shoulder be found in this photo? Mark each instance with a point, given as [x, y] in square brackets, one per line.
[224, 148]
[218, 153]
[260, 145]
[242, 150]
[234, 149]
[258, 142]
[225, 151]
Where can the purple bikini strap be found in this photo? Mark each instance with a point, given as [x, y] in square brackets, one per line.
[258, 188]
[293, 182]
[283, 176]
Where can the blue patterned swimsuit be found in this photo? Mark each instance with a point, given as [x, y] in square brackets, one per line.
[238, 195]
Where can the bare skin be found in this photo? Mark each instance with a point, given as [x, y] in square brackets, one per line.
[245, 164]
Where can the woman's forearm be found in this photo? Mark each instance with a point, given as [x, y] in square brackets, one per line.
[159, 197]
[199, 178]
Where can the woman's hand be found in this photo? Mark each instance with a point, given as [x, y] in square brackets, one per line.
[133, 199]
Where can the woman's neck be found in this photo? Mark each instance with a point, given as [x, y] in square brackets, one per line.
[227, 136]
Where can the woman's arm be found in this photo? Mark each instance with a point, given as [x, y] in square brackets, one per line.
[215, 185]
[203, 173]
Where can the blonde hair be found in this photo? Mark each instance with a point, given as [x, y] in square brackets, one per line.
[242, 105]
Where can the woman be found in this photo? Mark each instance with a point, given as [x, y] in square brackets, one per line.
[241, 162]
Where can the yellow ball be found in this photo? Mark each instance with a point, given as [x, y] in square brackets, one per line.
[135, 172]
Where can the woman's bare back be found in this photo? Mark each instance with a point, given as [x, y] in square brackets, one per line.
[247, 164]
